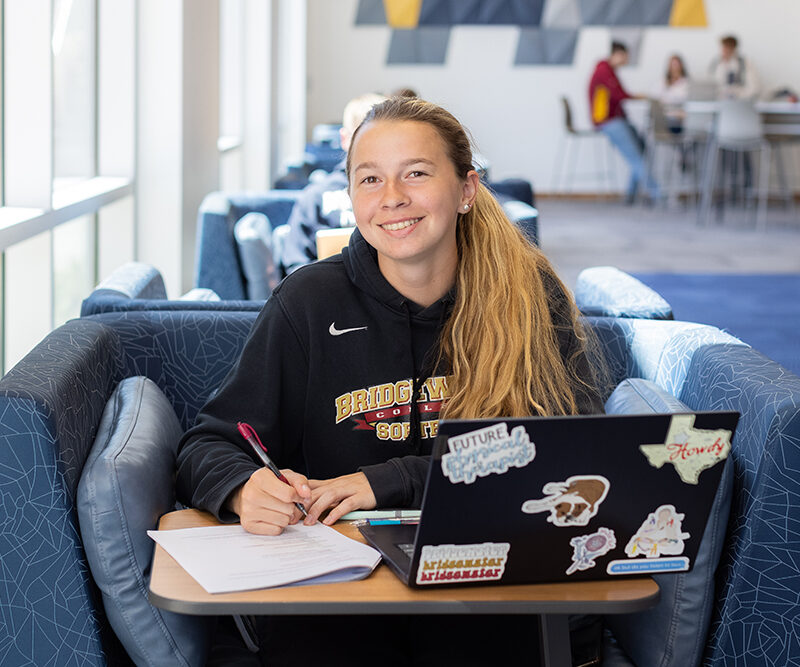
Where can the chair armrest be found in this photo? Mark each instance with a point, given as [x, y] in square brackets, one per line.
[608, 292]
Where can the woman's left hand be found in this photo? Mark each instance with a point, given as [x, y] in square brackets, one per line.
[341, 495]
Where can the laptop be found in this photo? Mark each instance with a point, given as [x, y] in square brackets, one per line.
[546, 499]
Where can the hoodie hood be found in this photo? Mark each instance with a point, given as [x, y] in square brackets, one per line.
[361, 264]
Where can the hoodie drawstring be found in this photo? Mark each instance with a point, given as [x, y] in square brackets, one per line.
[413, 440]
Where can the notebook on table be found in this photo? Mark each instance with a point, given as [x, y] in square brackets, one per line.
[545, 499]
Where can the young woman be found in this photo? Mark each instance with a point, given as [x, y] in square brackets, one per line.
[439, 307]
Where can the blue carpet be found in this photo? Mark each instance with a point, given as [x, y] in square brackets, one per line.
[762, 310]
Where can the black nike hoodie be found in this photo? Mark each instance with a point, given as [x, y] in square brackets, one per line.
[327, 378]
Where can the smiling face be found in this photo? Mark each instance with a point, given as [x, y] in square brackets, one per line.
[407, 196]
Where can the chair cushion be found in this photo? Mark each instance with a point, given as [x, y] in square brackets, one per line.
[127, 483]
[674, 631]
[638, 396]
[607, 291]
[253, 234]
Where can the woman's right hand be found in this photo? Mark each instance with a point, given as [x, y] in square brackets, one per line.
[266, 505]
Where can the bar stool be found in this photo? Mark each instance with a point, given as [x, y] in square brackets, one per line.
[738, 131]
[569, 149]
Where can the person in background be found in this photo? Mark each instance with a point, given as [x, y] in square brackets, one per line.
[606, 94]
[324, 204]
[673, 92]
[735, 75]
[439, 307]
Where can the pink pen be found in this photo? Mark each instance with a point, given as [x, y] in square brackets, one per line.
[249, 434]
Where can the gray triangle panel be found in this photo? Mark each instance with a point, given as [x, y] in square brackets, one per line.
[559, 45]
[370, 12]
[595, 12]
[625, 12]
[657, 12]
[423, 46]
[530, 47]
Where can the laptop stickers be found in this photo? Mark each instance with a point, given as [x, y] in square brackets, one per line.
[462, 563]
[487, 451]
[571, 502]
[537, 499]
[690, 450]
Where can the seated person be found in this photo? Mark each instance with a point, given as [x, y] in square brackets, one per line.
[673, 92]
[324, 203]
[439, 307]
[735, 75]
[606, 94]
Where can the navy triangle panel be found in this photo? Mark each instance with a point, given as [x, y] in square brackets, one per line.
[436, 12]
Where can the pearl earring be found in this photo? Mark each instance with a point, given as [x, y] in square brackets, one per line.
[466, 207]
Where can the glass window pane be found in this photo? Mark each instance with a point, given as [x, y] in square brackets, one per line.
[73, 267]
[28, 293]
[231, 67]
[115, 236]
[74, 90]
[230, 170]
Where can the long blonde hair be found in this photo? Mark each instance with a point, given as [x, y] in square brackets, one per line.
[500, 342]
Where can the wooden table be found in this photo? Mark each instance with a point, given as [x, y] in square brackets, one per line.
[382, 592]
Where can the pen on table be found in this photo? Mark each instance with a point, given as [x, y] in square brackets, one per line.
[249, 434]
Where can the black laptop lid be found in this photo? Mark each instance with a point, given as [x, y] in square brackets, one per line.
[568, 498]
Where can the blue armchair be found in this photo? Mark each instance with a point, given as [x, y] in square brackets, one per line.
[139, 286]
[51, 404]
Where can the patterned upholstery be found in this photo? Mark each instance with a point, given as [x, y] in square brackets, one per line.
[139, 286]
[607, 291]
[52, 401]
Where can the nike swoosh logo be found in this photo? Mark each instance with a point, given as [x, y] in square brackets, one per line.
[333, 331]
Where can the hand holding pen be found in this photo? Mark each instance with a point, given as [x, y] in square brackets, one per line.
[249, 434]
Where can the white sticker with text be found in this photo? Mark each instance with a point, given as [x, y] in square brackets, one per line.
[691, 450]
[487, 451]
[462, 563]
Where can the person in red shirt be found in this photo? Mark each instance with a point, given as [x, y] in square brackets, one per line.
[606, 94]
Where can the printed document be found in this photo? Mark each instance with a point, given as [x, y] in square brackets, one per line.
[224, 559]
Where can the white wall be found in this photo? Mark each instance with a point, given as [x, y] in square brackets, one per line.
[513, 112]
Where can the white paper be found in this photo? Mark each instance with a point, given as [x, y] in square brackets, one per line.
[224, 559]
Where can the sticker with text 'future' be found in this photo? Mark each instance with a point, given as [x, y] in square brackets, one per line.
[487, 451]
[691, 450]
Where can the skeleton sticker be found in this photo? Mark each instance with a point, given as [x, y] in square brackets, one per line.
[462, 563]
[691, 450]
[659, 535]
[588, 547]
[487, 451]
[571, 502]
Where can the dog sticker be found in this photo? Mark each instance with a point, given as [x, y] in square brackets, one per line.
[571, 502]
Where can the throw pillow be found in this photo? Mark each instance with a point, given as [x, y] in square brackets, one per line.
[127, 483]
[674, 631]
[253, 234]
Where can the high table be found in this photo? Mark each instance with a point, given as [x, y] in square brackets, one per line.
[382, 592]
